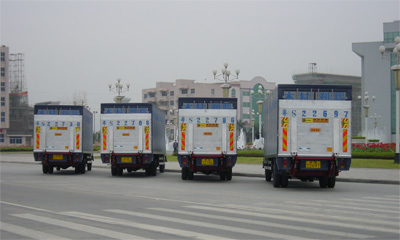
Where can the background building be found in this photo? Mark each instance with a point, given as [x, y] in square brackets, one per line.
[314, 77]
[16, 127]
[165, 95]
[378, 81]
[4, 95]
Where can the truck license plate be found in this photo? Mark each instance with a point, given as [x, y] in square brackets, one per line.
[207, 161]
[313, 164]
[57, 157]
[126, 159]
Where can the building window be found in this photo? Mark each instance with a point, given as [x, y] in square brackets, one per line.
[246, 104]
[246, 116]
[1, 137]
[192, 91]
[15, 140]
[3, 116]
[3, 56]
[171, 93]
[3, 101]
[171, 103]
[184, 91]
[246, 93]
[212, 91]
[3, 72]
[233, 93]
[3, 86]
[152, 95]
[145, 95]
[164, 94]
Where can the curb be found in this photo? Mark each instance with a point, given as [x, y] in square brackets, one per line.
[254, 175]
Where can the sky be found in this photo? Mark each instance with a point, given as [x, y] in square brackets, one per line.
[79, 47]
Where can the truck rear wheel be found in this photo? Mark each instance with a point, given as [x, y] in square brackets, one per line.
[276, 180]
[190, 174]
[153, 168]
[162, 168]
[323, 182]
[113, 171]
[45, 169]
[222, 176]
[331, 182]
[50, 169]
[229, 174]
[120, 171]
[268, 175]
[185, 173]
[89, 166]
[284, 181]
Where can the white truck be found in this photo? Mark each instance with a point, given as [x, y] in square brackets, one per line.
[63, 137]
[133, 137]
[207, 136]
[307, 133]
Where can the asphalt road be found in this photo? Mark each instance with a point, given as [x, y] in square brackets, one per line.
[96, 205]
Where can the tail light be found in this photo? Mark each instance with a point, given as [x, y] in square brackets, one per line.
[184, 161]
[229, 161]
[146, 158]
[107, 160]
[285, 163]
[341, 164]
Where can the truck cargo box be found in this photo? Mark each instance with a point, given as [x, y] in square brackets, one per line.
[133, 137]
[307, 133]
[207, 136]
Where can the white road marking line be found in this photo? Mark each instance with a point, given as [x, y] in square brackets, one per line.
[295, 219]
[370, 219]
[263, 234]
[77, 227]
[26, 232]
[264, 223]
[173, 231]
[339, 206]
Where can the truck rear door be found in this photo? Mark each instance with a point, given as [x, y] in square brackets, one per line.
[314, 128]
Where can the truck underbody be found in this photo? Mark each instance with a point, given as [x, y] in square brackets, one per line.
[207, 164]
[134, 162]
[281, 169]
[62, 160]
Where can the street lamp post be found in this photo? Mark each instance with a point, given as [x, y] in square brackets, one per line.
[396, 73]
[366, 110]
[252, 125]
[119, 88]
[260, 103]
[226, 74]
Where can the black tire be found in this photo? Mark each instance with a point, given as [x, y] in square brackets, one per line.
[45, 169]
[78, 169]
[82, 167]
[222, 176]
[284, 181]
[162, 168]
[153, 168]
[268, 175]
[190, 174]
[276, 180]
[113, 171]
[89, 167]
[50, 169]
[120, 171]
[148, 170]
[323, 182]
[185, 173]
[229, 174]
[58, 168]
[331, 182]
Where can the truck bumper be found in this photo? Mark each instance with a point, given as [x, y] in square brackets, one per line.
[128, 160]
[207, 162]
